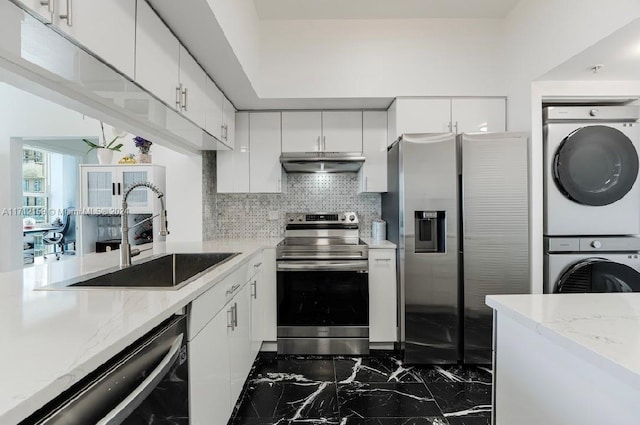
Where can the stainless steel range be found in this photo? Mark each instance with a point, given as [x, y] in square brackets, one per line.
[323, 285]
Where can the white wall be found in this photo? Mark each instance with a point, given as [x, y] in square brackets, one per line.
[381, 58]
[541, 34]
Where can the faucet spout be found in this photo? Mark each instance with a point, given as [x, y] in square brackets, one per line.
[125, 247]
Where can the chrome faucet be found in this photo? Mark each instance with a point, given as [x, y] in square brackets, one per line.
[125, 249]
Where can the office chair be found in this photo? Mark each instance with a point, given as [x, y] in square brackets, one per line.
[62, 237]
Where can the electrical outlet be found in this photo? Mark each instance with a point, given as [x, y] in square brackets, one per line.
[274, 215]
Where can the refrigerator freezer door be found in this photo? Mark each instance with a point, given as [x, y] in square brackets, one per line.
[429, 185]
[495, 230]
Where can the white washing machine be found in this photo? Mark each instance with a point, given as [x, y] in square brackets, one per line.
[591, 170]
[579, 265]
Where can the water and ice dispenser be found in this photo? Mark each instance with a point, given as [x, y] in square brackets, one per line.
[430, 228]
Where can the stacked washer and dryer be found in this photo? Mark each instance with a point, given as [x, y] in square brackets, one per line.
[591, 199]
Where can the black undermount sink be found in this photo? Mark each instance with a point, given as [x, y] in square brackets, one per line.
[171, 271]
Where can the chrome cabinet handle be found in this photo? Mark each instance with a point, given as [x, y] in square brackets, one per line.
[254, 287]
[68, 15]
[48, 3]
[233, 289]
[450, 127]
[235, 315]
[383, 259]
[185, 94]
[178, 96]
[456, 126]
[230, 318]
[257, 265]
[137, 396]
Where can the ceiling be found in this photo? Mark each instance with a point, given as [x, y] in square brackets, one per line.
[382, 9]
[619, 53]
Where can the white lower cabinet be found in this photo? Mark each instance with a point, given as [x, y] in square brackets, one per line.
[209, 382]
[224, 343]
[382, 295]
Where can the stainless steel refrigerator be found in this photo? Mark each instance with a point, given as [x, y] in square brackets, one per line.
[457, 207]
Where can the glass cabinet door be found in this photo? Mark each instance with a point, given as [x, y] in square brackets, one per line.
[100, 189]
[139, 197]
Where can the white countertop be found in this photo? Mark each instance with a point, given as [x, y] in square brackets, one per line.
[52, 339]
[603, 329]
[378, 244]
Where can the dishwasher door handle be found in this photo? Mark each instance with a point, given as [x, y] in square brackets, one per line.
[137, 396]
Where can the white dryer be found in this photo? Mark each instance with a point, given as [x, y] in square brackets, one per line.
[591, 170]
[579, 265]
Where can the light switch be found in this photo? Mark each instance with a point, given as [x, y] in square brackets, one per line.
[274, 215]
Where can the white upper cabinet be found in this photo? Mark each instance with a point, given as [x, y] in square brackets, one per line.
[233, 165]
[342, 131]
[266, 171]
[213, 109]
[157, 56]
[473, 115]
[193, 89]
[446, 115]
[421, 115]
[228, 123]
[301, 131]
[43, 8]
[106, 28]
[373, 174]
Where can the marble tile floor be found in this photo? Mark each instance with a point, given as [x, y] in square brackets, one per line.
[371, 390]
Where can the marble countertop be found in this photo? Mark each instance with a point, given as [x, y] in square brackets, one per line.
[377, 243]
[52, 339]
[603, 329]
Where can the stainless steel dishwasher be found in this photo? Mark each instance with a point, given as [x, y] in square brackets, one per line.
[147, 383]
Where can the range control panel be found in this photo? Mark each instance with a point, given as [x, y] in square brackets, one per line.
[322, 218]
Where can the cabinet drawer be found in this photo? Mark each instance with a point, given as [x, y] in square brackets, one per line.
[207, 305]
[253, 266]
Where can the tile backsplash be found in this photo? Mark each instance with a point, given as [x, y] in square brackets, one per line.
[227, 215]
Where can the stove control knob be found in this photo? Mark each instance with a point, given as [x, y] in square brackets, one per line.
[596, 244]
[593, 112]
[343, 218]
[291, 219]
[299, 218]
[352, 217]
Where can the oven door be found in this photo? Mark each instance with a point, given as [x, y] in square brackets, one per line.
[323, 307]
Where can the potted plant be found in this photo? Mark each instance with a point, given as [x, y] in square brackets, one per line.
[144, 145]
[104, 150]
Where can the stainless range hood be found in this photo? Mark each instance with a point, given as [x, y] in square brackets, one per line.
[321, 162]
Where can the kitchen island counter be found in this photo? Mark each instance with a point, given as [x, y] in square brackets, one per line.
[54, 338]
[567, 358]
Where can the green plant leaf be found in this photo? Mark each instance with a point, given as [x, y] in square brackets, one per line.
[116, 147]
[91, 145]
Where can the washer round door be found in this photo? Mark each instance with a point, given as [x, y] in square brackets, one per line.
[598, 275]
[595, 165]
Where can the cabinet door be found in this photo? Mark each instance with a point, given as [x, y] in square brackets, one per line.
[233, 166]
[139, 200]
[301, 131]
[228, 122]
[44, 11]
[382, 295]
[373, 174]
[422, 115]
[268, 295]
[193, 85]
[99, 188]
[240, 343]
[342, 131]
[257, 313]
[264, 158]
[209, 384]
[106, 28]
[213, 109]
[157, 56]
[479, 115]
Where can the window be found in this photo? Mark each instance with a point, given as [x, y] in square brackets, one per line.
[35, 184]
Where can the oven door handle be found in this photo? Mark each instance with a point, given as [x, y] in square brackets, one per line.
[137, 396]
[324, 265]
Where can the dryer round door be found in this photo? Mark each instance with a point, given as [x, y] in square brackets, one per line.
[598, 275]
[595, 165]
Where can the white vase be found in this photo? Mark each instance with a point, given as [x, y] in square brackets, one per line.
[105, 156]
